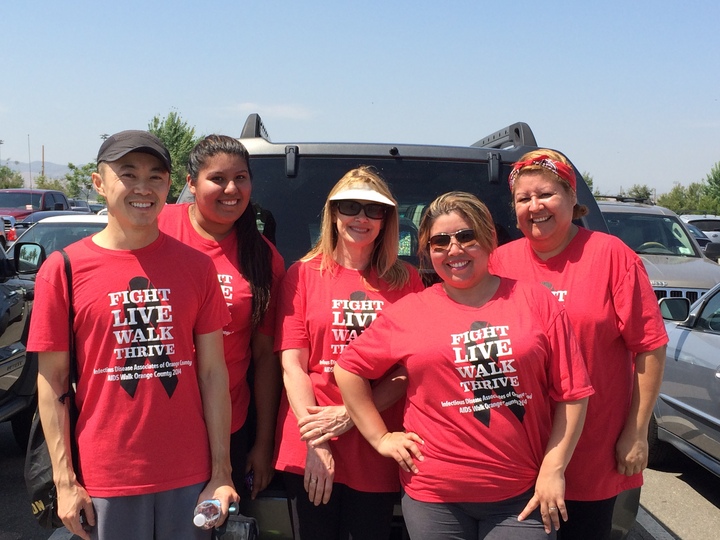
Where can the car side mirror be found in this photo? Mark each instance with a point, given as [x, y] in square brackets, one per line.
[28, 257]
[674, 309]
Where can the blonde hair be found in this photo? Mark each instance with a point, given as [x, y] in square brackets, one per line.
[467, 205]
[579, 210]
[384, 259]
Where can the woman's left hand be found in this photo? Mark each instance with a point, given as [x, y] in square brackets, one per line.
[549, 496]
[259, 461]
[324, 423]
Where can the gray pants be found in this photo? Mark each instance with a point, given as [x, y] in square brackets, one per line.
[159, 516]
[472, 521]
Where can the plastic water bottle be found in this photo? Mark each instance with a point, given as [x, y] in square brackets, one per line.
[207, 514]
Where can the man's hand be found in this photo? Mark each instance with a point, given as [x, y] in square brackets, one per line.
[75, 509]
[223, 491]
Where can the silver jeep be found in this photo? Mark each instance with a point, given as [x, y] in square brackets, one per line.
[673, 259]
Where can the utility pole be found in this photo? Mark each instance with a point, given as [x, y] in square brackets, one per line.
[29, 164]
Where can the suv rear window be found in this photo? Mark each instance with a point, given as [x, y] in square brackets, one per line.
[289, 208]
[20, 200]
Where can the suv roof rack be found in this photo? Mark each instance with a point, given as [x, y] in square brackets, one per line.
[517, 134]
[625, 198]
[254, 128]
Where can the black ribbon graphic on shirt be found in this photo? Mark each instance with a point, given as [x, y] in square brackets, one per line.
[168, 380]
[357, 320]
[490, 367]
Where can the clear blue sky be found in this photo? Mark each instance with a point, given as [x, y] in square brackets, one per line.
[628, 90]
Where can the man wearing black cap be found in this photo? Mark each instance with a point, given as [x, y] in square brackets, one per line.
[152, 391]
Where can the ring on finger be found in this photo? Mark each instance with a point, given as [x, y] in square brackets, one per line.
[552, 508]
[313, 480]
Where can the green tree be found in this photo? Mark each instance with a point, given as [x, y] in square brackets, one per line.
[590, 181]
[676, 200]
[10, 178]
[43, 182]
[79, 180]
[640, 192]
[179, 138]
[693, 199]
[713, 183]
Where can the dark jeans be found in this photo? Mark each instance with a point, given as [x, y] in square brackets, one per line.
[348, 515]
[588, 520]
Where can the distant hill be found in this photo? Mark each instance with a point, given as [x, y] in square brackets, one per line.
[52, 170]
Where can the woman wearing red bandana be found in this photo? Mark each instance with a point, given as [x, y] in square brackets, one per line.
[607, 294]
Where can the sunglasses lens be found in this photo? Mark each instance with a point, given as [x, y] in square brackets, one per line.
[440, 241]
[349, 208]
[465, 236]
[375, 211]
[353, 208]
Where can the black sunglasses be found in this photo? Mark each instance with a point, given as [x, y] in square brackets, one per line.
[463, 237]
[353, 208]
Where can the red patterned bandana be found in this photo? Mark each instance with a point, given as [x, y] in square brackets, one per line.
[556, 167]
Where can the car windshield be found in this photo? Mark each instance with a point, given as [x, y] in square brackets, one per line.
[651, 234]
[27, 201]
[55, 236]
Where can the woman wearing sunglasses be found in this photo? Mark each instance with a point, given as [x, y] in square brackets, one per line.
[338, 485]
[497, 388]
[605, 289]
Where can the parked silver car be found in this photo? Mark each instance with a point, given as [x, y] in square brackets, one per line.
[708, 223]
[673, 259]
[687, 413]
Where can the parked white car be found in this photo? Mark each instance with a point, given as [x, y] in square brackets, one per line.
[707, 223]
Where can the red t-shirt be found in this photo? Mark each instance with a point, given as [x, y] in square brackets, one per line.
[613, 310]
[482, 383]
[141, 427]
[175, 221]
[324, 312]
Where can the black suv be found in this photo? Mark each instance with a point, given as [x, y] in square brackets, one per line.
[18, 372]
[291, 182]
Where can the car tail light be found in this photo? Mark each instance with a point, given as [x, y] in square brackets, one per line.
[11, 234]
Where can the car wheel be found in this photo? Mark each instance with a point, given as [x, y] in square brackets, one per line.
[21, 423]
[658, 451]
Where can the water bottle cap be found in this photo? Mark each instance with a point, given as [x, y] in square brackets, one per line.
[199, 520]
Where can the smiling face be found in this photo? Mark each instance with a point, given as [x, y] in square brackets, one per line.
[135, 187]
[544, 211]
[459, 267]
[357, 232]
[222, 192]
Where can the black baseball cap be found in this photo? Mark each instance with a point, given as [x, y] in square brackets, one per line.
[124, 142]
